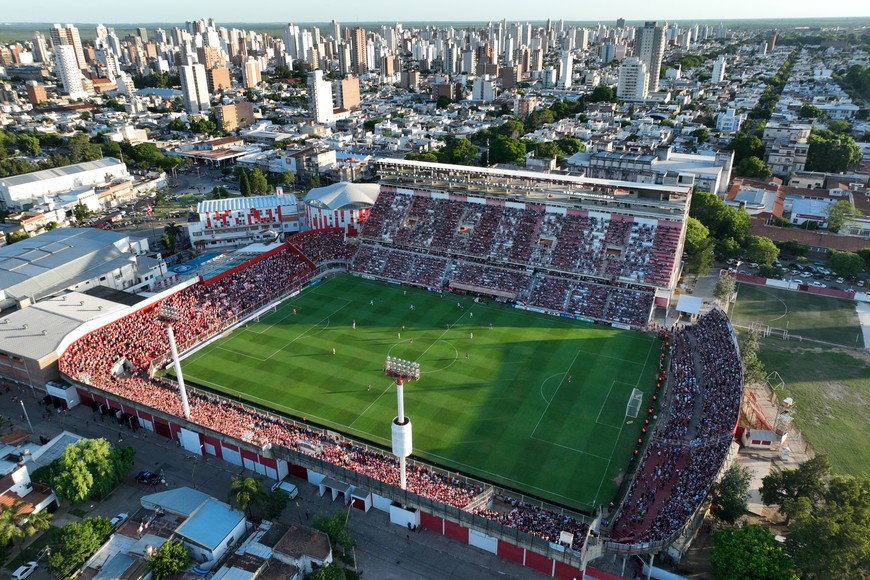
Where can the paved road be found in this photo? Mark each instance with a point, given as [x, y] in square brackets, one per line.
[385, 551]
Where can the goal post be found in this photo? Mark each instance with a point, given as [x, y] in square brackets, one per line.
[635, 402]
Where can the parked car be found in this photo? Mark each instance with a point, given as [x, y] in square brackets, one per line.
[840, 280]
[149, 478]
[24, 571]
[119, 519]
[860, 282]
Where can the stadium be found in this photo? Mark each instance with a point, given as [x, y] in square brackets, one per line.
[554, 421]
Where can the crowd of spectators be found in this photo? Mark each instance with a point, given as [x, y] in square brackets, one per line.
[684, 456]
[537, 521]
[322, 246]
[602, 245]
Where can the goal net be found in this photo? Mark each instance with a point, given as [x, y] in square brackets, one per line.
[632, 409]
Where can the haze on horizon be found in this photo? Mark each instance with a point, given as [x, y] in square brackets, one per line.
[344, 11]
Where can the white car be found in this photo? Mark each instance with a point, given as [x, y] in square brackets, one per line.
[840, 280]
[24, 571]
[119, 519]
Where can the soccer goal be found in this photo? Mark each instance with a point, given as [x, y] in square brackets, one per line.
[632, 409]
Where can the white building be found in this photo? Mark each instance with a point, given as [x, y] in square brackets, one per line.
[68, 72]
[244, 220]
[566, 70]
[20, 192]
[483, 89]
[729, 121]
[195, 89]
[719, 70]
[650, 48]
[633, 80]
[320, 98]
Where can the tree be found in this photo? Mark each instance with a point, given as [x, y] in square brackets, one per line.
[753, 167]
[81, 149]
[169, 558]
[837, 126]
[762, 250]
[725, 289]
[458, 151]
[795, 491]
[259, 183]
[745, 146]
[171, 233]
[81, 213]
[699, 247]
[88, 468]
[750, 552]
[245, 492]
[724, 222]
[274, 504]
[176, 125]
[329, 572]
[244, 184]
[602, 93]
[701, 135]
[219, 192]
[831, 540]
[810, 112]
[832, 153]
[17, 524]
[731, 494]
[29, 145]
[335, 526]
[312, 180]
[840, 212]
[507, 150]
[846, 263]
[76, 542]
[443, 102]
[281, 179]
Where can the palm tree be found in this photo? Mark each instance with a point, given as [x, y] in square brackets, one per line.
[16, 524]
[245, 491]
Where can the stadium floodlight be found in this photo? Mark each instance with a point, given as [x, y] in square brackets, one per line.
[403, 370]
[170, 315]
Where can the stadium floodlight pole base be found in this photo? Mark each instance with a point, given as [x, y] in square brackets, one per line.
[402, 434]
[177, 364]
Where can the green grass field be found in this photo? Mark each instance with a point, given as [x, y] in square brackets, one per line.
[508, 413]
[831, 389]
[832, 320]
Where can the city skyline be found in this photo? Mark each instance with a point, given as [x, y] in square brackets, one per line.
[451, 10]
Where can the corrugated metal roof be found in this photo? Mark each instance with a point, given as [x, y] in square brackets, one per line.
[60, 171]
[210, 524]
[244, 203]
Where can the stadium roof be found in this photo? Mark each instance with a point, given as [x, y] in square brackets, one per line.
[243, 203]
[535, 175]
[344, 195]
[48, 263]
[36, 332]
[105, 162]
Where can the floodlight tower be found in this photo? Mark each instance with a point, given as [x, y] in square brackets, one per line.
[403, 370]
[168, 315]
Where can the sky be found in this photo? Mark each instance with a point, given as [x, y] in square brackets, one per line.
[347, 11]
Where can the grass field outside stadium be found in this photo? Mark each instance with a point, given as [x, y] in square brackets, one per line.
[528, 401]
[814, 317]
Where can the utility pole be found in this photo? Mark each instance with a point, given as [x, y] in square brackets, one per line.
[26, 416]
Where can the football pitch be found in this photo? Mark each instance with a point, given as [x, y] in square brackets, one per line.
[822, 318]
[524, 400]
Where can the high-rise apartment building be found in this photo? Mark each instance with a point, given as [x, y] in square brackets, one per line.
[36, 93]
[40, 48]
[194, 88]
[359, 50]
[719, 70]
[566, 70]
[68, 71]
[251, 73]
[649, 46]
[633, 79]
[69, 36]
[234, 116]
[320, 97]
[346, 93]
[218, 79]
